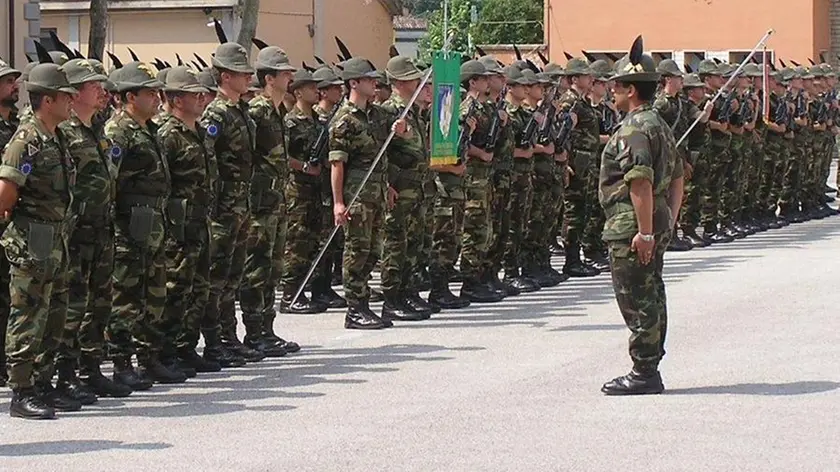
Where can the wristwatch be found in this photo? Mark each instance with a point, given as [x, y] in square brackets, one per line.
[646, 237]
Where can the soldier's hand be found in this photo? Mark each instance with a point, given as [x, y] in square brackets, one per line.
[401, 128]
[503, 116]
[707, 110]
[340, 214]
[392, 197]
[313, 170]
[642, 248]
[549, 148]
[472, 123]
[539, 117]
[459, 169]
[688, 171]
[574, 117]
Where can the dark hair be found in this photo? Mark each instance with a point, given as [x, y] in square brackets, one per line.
[262, 74]
[37, 98]
[171, 96]
[645, 90]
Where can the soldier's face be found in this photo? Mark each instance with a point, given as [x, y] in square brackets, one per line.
[333, 93]
[191, 103]
[517, 91]
[535, 92]
[583, 82]
[206, 98]
[105, 99]
[426, 95]
[599, 88]
[145, 102]
[9, 90]
[366, 87]
[307, 94]
[480, 84]
[621, 96]
[497, 83]
[237, 81]
[90, 95]
[695, 93]
[62, 106]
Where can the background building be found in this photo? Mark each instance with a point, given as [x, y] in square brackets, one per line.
[162, 28]
[689, 30]
[18, 19]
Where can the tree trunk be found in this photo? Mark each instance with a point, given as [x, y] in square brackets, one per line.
[98, 28]
[249, 12]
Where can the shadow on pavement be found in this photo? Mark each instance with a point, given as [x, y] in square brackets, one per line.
[78, 446]
[767, 389]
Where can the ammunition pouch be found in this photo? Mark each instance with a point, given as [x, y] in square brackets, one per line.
[141, 223]
[582, 160]
[176, 215]
[40, 240]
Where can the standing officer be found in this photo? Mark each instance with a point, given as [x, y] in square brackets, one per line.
[36, 181]
[91, 258]
[8, 125]
[230, 137]
[641, 189]
[267, 232]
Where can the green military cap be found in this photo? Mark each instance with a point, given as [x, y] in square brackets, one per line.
[544, 78]
[802, 73]
[530, 76]
[521, 64]
[473, 68]
[514, 76]
[47, 78]
[136, 75]
[708, 67]
[161, 75]
[183, 79]
[669, 68]
[491, 64]
[726, 70]
[402, 68]
[100, 69]
[636, 66]
[358, 68]
[59, 57]
[751, 70]
[382, 80]
[232, 57]
[274, 58]
[205, 78]
[692, 81]
[326, 77]
[6, 69]
[827, 70]
[578, 66]
[554, 70]
[816, 71]
[601, 70]
[24, 75]
[302, 77]
[787, 74]
[79, 71]
[113, 79]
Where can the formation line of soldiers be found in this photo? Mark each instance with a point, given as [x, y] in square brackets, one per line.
[141, 204]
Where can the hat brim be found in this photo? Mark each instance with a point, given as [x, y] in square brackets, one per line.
[90, 78]
[187, 89]
[416, 75]
[30, 87]
[329, 83]
[637, 77]
[284, 68]
[246, 69]
[10, 71]
[300, 83]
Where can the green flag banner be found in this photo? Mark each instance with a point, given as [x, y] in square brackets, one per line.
[445, 107]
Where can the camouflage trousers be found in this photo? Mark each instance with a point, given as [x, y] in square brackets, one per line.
[5, 303]
[730, 191]
[305, 217]
[781, 170]
[362, 247]
[500, 216]
[580, 197]
[561, 170]
[594, 229]
[228, 249]
[538, 228]
[139, 280]
[403, 240]
[38, 306]
[477, 223]
[743, 175]
[429, 195]
[91, 262]
[720, 163]
[263, 269]
[448, 227]
[187, 286]
[519, 209]
[772, 152]
[640, 293]
[693, 195]
[791, 188]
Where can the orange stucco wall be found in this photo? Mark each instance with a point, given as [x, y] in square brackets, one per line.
[20, 33]
[802, 26]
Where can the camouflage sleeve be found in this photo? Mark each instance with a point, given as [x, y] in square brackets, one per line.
[341, 137]
[212, 122]
[634, 154]
[119, 142]
[567, 102]
[661, 105]
[298, 139]
[18, 159]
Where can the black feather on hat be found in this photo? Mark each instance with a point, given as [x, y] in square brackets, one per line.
[260, 44]
[517, 52]
[200, 61]
[307, 68]
[220, 32]
[43, 54]
[180, 61]
[480, 52]
[345, 52]
[392, 51]
[320, 61]
[542, 57]
[133, 55]
[569, 57]
[115, 60]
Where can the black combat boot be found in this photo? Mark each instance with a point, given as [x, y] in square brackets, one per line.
[215, 351]
[635, 383]
[360, 316]
[55, 399]
[376, 296]
[413, 301]
[188, 357]
[395, 308]
[524, 284]
[508, 290]
[268, 333]
[91, 376]
[234, 345]
[27, 404]
[69, 385]
[574, 267]
[678, 244]
[542, 278]
[324, 297]
[173, 363]
[553, 275]
[124, 374]
[455, 276]
[477, 292]
[154, 370]
[691, 236]
[255, 340]
[423, 280]
[597, 260]
[486, 279]
[441, 296]
[302, 306]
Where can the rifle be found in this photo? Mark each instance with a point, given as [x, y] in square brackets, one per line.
[320, 145]
[564, 131]
[531, 127]
[464, 135]
[544, 135]
[496, 122]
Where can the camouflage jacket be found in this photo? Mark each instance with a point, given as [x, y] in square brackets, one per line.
[679, 113]
[140, 166]
[230, 137]
[37, 161]
[323, 115]
[356, 135]
[718, 139]
[8, 128]
[482, 113]
[271, 163]
[518, 116]
[24, 113]
[95, 190]
[643, 147]
[408, 158]
[586, 134]
[302, 131]
[193, 170]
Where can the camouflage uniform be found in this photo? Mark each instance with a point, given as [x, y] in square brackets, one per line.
[35, 241]
[718, 155]
[643, 148]
[774, 152]
[7, 130]
[521, 193]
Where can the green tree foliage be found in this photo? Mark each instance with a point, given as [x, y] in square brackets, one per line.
[422, 7]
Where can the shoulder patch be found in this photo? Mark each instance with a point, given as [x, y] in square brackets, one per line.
[32, 150]
[213, 130]
[25, 168]
[115, 153]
